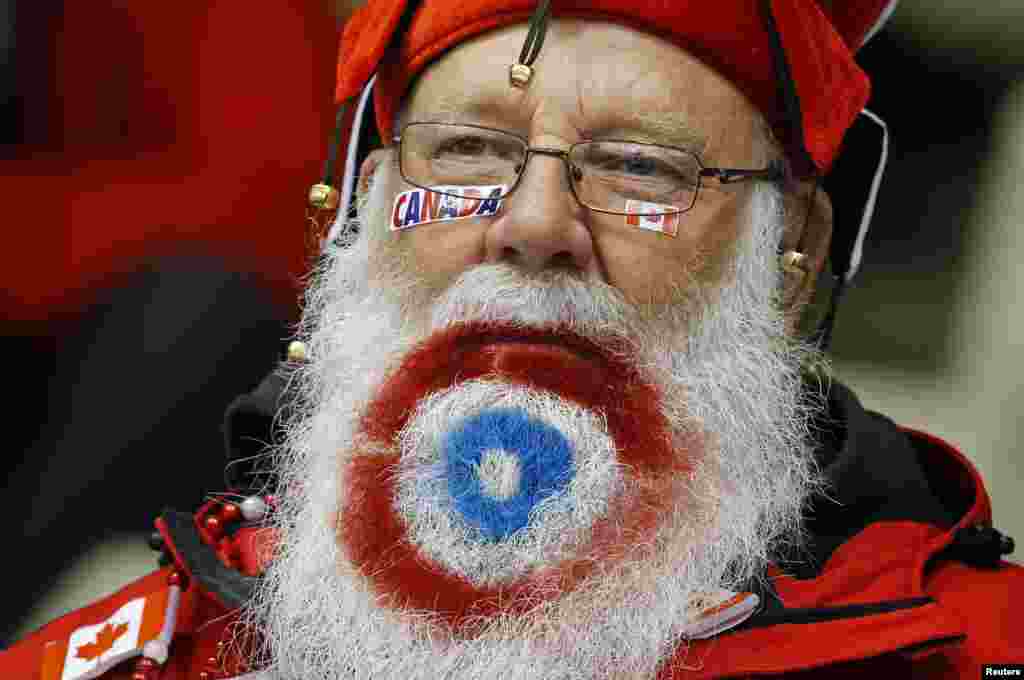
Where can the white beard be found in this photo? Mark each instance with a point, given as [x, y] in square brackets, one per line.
[724, 368]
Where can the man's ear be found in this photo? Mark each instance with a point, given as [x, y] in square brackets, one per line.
[370, 165]
[808, 214]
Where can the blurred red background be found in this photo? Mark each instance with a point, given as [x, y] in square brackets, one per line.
[150, 129]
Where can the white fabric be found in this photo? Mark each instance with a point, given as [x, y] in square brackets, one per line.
[882, 20]
[349, 177]
[171, 617]
[869, 207]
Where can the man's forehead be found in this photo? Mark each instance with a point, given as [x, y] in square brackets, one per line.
[607, 78]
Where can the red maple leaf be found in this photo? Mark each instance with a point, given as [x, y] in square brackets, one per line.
[105, 639]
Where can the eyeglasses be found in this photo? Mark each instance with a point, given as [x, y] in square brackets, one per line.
[617, 177]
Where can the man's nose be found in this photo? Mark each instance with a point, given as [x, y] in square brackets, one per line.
[541, 225]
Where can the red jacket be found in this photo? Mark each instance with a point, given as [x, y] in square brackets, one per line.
[915, 587]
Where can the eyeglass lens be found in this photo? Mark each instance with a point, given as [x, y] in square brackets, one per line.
[629, 178]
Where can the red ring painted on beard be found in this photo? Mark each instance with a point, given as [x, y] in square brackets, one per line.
[593, 374]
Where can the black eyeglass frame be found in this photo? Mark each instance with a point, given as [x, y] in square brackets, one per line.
[773, 172]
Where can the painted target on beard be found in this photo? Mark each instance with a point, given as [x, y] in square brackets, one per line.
[500, 468]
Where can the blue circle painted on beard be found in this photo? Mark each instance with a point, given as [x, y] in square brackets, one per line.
[500, 465]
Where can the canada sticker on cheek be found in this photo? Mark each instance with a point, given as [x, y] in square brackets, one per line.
[445, 204]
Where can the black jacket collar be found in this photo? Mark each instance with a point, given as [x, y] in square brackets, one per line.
[873, 474]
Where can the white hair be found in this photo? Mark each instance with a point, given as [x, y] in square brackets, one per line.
[724, 366]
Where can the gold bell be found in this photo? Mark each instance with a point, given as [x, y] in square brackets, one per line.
[794, 267]
[323, 197]
[296, 351]
[519, 75]
[794, 263]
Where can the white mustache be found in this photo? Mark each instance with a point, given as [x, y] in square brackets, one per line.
[501, 292]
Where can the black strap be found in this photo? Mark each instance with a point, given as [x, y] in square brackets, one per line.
[978, 546]
[334, 146]
[535, 36]
[230, 587]
[823, 335]
[250, 430]
[788, 96]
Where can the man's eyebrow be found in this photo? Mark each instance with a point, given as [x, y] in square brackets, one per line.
[460, 108]
[658, 128]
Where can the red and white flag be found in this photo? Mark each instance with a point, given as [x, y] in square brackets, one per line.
[643, 215]
[94, 649]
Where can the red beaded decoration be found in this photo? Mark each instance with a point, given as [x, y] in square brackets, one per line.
[145, 668]
[230, 513]
[213, 525]
[227, 552]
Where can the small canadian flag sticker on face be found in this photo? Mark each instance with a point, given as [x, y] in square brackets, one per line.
[644, 215]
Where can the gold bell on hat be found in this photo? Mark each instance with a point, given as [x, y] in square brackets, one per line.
[323, 197]
[321, 201]
[519, 75]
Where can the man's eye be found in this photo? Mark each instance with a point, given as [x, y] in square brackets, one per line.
[463, 146]
[637, 165]
[641, 165]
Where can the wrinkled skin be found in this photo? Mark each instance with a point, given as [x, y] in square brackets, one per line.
[592, 81]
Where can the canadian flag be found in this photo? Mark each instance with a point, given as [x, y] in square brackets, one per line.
[92, 650]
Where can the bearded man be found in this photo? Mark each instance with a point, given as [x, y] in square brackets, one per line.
[553, 418]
